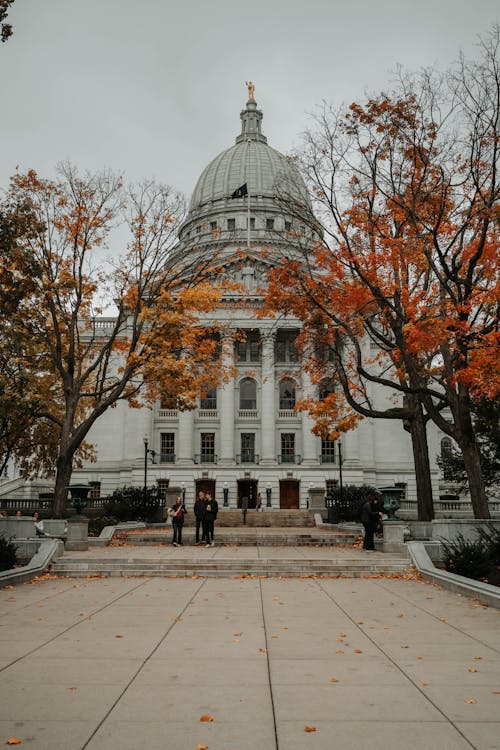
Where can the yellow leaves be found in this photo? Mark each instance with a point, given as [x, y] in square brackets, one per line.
[206, 718]
[202, 747]
[13, 741]
[333, 679]
[471, 669]
[307, 728]
[471, 701]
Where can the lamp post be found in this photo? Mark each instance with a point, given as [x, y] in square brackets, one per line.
[225, 493]
[341, 487]
[147, 451]
[268, 494]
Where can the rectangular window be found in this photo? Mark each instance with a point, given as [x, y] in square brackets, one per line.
[231, 225]
[269, 225]
[213, 226]
[331, 485]
[280, 350]
[287, 448]
[254, 351]
[327, 451]
[288, 226]
[252, 222]
[167, 447]
[247, 447]
[241, 351]
[162, 485]
[95, 490]
[207, 447]
[210, 400]
[285, 348]
[198, 229]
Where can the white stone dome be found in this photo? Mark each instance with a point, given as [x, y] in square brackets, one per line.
[250, 161]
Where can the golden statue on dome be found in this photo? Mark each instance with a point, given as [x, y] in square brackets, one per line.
[251, 91]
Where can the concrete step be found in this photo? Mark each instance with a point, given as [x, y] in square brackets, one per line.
[291, 537]
[269, 518]
[349, 567]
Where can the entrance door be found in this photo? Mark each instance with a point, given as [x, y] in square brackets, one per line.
[205, 485]
[247, 488]
[289, 494]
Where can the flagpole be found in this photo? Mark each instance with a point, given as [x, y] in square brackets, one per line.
[248, 221]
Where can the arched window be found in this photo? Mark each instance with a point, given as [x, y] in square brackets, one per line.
[287, 394]
[446, 447]
[248, 394]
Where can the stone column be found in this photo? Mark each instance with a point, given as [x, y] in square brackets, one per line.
[310, 446]
[226, 406]
[186, 449]
[268, 406]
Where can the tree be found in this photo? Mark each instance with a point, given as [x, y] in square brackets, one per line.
[17, 274]
[5, 28]
[77, 364]
[486, 420]
[406, 194]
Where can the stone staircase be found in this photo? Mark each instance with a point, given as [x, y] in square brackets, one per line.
[352, 566]
[245, 536]
[269, 518]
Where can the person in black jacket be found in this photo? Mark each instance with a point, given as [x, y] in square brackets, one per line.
[370, 518]
[177, 512]
[211, 510]
[199, 514]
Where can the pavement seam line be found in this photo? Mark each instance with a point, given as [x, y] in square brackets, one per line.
[70, 627]
[49, 596]
[268, 665]
[422, 609]
[395, 664]
[145, 661]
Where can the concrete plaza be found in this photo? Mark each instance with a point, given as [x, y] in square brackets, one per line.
[136, 662]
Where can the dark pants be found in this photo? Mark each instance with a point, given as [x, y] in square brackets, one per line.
[244, 515]
[368, 542]
[199, 524]
[208, 530]
[177, 528]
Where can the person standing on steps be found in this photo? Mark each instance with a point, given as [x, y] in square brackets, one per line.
[244, 508]
[211, 510]
[199, 514]
[177, 512]
[370, 518]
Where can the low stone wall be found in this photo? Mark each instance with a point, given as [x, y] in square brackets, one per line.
[23, 527]
[45, 550]
[449, 529]
[483, 592]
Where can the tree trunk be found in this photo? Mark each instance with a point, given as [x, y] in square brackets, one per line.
[472, 463]
[466, 439]
[418, 431]
[64, 468]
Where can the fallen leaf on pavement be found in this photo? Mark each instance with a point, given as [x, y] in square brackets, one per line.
[309, 729]
[206, 717]
[471, 700]
[333, 679]
[13, 741]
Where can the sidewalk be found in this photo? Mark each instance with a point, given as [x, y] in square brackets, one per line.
[127, 663]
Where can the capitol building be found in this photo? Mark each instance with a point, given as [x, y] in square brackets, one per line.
[245, 439]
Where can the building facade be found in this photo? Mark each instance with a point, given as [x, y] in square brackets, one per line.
[245, 438]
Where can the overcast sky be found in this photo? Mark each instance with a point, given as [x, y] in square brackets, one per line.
[154, 88]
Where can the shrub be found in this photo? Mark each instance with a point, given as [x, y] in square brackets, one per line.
[346, 505]
[490, 537]
[96, 525]
[464, 557]
[8, 554]
[132, 504]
